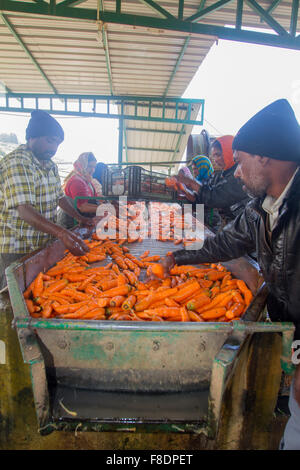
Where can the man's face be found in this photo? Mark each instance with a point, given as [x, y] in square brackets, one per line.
[217, 156]
[44, 148]
[252, 173]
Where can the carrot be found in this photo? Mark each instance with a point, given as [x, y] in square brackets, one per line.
[164, 312]
[235, 311]
[221, 300]
[92, 290]
[193, 316]
[103, 302]
[28, 291]
[247, 294]
[213, 313]
[131, 277]
[184, 314]
[73, 294]
[117, 301]
[186, 291]
[199, 302]
[38, 285]
[129, 302]
[30, 306]
[149, 259]
[83, 285]
[47, 309]
[171, 302]
[57, 286]
[106, 285]
[97, 313]
[75, 277]
[215, 275]
[144, 303]
[121, 290]
[158, 270]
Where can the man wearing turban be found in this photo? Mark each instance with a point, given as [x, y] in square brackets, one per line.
[30, 192]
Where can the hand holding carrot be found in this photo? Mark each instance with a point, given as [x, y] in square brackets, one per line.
[73, 242]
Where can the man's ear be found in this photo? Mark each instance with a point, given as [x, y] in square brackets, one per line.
[264, 161]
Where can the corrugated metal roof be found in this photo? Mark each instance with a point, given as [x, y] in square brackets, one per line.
[40, 54]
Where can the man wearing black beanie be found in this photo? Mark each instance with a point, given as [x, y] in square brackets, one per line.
[267, 153]
[30, 192]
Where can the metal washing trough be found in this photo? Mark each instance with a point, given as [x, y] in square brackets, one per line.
[105, 375]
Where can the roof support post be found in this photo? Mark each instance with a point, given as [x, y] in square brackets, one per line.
[120, 150]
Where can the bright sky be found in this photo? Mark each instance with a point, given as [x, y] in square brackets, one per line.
[235, 79]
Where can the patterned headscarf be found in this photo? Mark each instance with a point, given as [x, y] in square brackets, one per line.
[204, 166]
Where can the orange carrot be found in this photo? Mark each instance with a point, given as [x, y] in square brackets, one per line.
[235, 311]
[117, 301]
[129, 302]
[184, 314]
[38, 285]
[213, 313]
[120, 290]
[199, 302]
[248, 296]
[158, 270]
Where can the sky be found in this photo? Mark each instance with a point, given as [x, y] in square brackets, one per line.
[235, 79]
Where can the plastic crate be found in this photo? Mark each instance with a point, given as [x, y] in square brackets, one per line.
[136, 181]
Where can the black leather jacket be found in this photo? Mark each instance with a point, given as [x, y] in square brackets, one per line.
[278, 257]
[224, 192]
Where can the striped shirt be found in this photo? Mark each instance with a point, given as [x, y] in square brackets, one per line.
[25, 180]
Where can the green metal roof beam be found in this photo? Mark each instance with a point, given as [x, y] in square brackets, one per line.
[159, 131]
[267, 18]
[239, 14]
[182, 52]
[294, 17]
[147, 149]
[273, 6]
[177, 65]
[103, 27]
[214, 7]
[186, 26]
[72, 3]
[125, 140]
[27, 51]
[158, 9]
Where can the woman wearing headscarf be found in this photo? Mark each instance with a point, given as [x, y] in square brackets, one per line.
[221, 190]
[202, 167]
[79, 183]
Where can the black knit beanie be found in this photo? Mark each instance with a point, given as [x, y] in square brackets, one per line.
[43, 124]
[273, 132]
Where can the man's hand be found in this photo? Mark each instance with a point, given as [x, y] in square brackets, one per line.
[168, 262]
[73, 243]
[86, 221]
[297, 385]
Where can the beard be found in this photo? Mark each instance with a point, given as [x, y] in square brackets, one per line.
[255, 190]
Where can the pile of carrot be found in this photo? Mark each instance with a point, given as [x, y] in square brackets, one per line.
[161, 223]
[77, 289]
